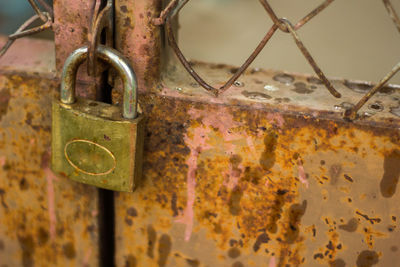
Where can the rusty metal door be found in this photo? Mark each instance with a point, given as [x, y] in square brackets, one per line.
[267, 169]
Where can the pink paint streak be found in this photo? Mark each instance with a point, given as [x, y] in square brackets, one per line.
[224, 122]
[302, 173]
[251, 146]
[187, 217]
[86, 257]
[233, 176]
[2, 161]
[95, 213]
[196, 145]
[221, 120]
[50, 177]
[272, 262]
[277, 119]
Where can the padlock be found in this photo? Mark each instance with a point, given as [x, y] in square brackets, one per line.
[93, 142]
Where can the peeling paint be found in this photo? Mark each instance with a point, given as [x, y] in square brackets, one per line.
[272, 262]
[233, 175]
[196, 145]
[2, 161]
[302, 173]
[276, 119]
[86, 258]
[50, 177]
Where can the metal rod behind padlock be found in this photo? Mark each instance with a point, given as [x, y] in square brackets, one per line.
[117, 61]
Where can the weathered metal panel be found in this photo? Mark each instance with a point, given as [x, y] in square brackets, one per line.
[44, 220]
[268, 174]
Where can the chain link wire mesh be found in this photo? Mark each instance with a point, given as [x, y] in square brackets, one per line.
[45, 16]
[284, 25]
[174, 7]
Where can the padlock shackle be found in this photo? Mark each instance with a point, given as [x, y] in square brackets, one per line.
[109, 56]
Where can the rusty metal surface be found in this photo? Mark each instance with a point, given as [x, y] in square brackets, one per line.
[38, 60]
[296, 93]
[139, 39]
[45, 220]
[71, 27]
[268, 174]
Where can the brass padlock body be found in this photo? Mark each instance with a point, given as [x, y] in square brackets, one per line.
[93, 143]
[109, 157]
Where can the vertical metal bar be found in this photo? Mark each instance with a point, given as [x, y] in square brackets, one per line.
[71, 26]
[139, 39]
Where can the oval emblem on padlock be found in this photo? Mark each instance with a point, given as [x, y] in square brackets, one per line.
[89, 157]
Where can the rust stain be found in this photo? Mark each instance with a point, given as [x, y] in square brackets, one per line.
[164, 249]
[391, 175]
[351, 225]
[69, 250]
[301, 88]
[237, 264]
[296, 212]
[151, 241]
[261, 239]
[367, 258]
[132, 212]
[234, 201]
[369, 236]
[337, 263]
[235, 171]
[2, 196]
[348, 178]
[5, 96]
[130, 261]
[256, 95]
[43, 236]
[276, 210]
[335, 170]
[174, 207]
[193, 263]
[28, 249]
[267, 159]
[370, 220]
[234, 253]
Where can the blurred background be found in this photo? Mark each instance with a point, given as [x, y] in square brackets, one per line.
[15, 12]
[353, 39]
